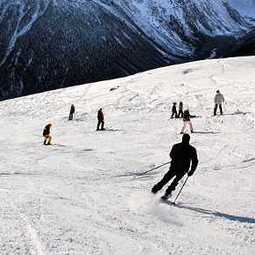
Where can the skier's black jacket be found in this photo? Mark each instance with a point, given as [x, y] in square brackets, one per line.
[186, 115]
[72, 110]
[182, 155]
[100, 115]
[46, 130]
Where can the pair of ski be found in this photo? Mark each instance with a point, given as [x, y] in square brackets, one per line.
[108, 129]
[166, 201]
[180, 205]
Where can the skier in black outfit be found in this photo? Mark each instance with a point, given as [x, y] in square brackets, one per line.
[72, 111]
[46, 134]
[100, 118]
[182, 154]
[174, 111]
[180, 113]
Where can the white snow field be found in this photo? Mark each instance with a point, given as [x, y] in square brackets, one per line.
[87, 194]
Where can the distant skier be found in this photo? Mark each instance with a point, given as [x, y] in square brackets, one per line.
[218, 100]
[174, 111]
[187, 121]
[100, 119]
[46, 134]
[180, 112]
[72, 111]
[182, 154]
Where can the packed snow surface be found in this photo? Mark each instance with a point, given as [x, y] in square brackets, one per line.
[85, 41]
[88, 193]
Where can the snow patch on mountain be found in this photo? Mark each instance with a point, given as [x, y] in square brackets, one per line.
[166, 21]
[27, 14]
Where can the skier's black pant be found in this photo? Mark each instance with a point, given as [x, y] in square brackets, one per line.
[180, 114]
[100, 122]
[70, 116]
[216, 108]
[174, 114]
[167, 177]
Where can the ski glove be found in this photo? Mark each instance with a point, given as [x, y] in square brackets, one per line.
[190, 173]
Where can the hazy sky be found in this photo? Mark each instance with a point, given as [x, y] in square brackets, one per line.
[246, 7]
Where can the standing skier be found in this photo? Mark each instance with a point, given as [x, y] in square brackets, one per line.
[182, 154]
[180, 113]
[186, 121]
[218, 101]
[46, 134]
[100, 119]
[174, 111]
[72, 111]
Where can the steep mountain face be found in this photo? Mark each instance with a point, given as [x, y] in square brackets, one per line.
[48, 44]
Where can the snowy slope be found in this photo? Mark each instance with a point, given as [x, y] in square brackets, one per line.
[92, 40]
[87, 193]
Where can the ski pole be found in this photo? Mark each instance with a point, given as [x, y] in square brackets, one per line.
[181, 189]
[155, 168]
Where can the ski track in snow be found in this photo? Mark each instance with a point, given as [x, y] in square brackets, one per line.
[89, 193]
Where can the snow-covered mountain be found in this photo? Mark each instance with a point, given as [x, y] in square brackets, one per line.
[47, 44]
[88, 193]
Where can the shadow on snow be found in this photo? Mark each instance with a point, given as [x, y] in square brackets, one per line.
[237, 113]
[217, 214]
[205, 132]
[137, 175]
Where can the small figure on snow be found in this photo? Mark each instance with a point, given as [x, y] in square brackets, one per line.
[187, 121]
[100, 119]
[218, 100]
[46, 134]
[174, 111]
[72, 111]
[182, 154]
[180, 113]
